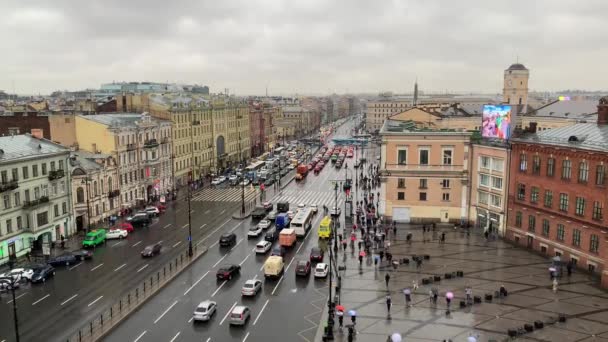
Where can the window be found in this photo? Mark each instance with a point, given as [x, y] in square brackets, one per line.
[546, 227]
[497, 183]
[17, 199]
[3, 177]
[600, 175]
[52, 166]
[550, 167]
[401, 183]
[534, 194]
[402, 157]
[482, 198]
[19, 223]
[561, 232]
[518, 219]
[447, 157]
[521, 192]
[496, 200]
[25, 171]
[580, 206]
[594, 243]
[484, 180]
[583, 172]
[531, 223]
[566, 169]
[64, 208]
[9, 226]
[61, 165]
[445, 183]
[536, 165]
[563, 202]
[45, 190]
[44, 169]
[523, 162]
[576, 237]
[423, 183]
[597, 210]
[423, 157]
[79, 195]
[446, 197]
[7, 201]
[484, 162]
[56, 210]
[548, 198]
[497, 164]
[27, 194]
[15, 174]
[401, 196]
[42, 218]
[34, 170]
[54, 189]
[422, 196]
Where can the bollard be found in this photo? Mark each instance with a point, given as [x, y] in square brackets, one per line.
[120, 305]
[158, 277]
[110, 312]
[129, 299]
[101, 319]
[79, 335]
[144, 287]
[170, 267]
[164, 271]
[91, 327]
[151, 281]
[137, 292]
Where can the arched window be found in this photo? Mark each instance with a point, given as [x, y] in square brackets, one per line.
[101, 182]
[109, 184]
[95, 188]
[80, 195]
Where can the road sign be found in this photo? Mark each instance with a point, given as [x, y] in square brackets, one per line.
[46, 249]
[189, 238]
[278, 177]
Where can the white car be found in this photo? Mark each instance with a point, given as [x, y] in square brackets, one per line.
[321, 270]
[264, 224]
[152, 210]
[291, 167]
[301, 206]
[204, 311]
[335, 211]
[19, 273]
[233, 178]
[314, 208]
[240, 315]
[116, 234]
[245, 182]
[263, 247]
[251, 287]
[216, 181]
[290, 214]
[254, 231]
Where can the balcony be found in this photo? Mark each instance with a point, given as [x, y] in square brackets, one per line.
[9, 185]
[151, 161]
[131, 147]
[35, 203]
[164, 140]
[423, 168]
[54, 175]
[114, 193]
[152, 143]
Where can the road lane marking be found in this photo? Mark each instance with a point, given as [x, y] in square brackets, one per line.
[143, 268]
[184, 226]
[214, 293]
[215, 230]
[41, 299]
[223, 211]
[245, 339]
[260, 314]
[176, 335]
[96, 267]
[164, 313]
[213, 245]
[167, 226]
[78, 264]
[201, 227]
[241, 263]
[119, 267]
[228, 313]
[140, 336]
[235, 227]
[69, 299]
[95, 301]
[277, 285]
[237, 243]
[261, 268]
[177, 244]
[192, 211]
[191, 319]
[196, 283]
[118, 243]
[19, 296]
[292, 259]
[207, 212]
[222, 258]
[137, 243]
[208, 339]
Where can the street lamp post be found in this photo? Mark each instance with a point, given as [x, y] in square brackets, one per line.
[86, 181]
[190, 252]
[11, 283]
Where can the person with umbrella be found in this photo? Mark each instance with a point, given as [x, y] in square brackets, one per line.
[448, 300]
[353, 316]
[340, 314]
[389, 303]
[408, 296]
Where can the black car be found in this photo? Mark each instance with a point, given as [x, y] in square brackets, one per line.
[278, 251]
[303, 268]
[255, 182]
[271, 235]
[42, 273]
[64, 259]
[284, 172]
[8, 283]
[226, 272]
[83, 254]
[140, 220]
[227, 240]
[151, 250]
[269, 182]
[316, 254]
[258, 213]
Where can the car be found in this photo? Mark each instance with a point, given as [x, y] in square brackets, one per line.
[151, 250]
[255, 182]
[94, 237]
[254, 231]
[290, 214]
[262, 247]
[116, 234]
[272, 215]
[227, 239]
[150, 214]
[291, 167]
[321, 270]
[140, 220]
[240, 315]
[258, 213]
[314, 208]
[335, 211]
[7, 283]
[303, 268]
[268, 205]
[232, 178]
[269, 182]
[154, 211]
[264, 224]
[278, 251]
[66, 259]
[83, 254]
[244, 182]
[301, 205]
[251, 287]
[271, 235]
[316, 254]
[42, 273]
[19, 274]
[284, 172]
[216, 181]
[226, 272]
[125, 226]
[204, 311]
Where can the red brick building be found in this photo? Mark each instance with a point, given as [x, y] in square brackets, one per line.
[23, 119]
[256, 123]
[558, 193]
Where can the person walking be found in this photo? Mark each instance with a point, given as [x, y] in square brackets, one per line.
[340, 315]
[442, 237]
[360, 260]
[387, 277]
[569, 268]
[431, 296]
[469, 294]
[389, 303]
[408, 296]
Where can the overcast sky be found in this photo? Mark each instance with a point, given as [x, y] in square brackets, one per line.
[303, 46]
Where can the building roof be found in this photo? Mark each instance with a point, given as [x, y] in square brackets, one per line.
[517, 66]
[25, 146]
[120, 119]
[586, 136]
[577, 109]
[399, 127]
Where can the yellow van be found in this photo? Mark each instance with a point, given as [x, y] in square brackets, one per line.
[273, 267]
[325, 228]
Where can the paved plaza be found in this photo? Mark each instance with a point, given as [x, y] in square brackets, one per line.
[486, 266]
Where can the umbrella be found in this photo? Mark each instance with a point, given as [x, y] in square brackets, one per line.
[407, 291]
[352, 312]
[471, 339]
[552, 269]
[396, 337]
[340, 307]
[362, 253]
[449, 295]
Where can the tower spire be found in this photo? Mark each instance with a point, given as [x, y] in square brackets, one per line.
[416, 92]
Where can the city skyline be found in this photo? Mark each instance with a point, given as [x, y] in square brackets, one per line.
[301, 47]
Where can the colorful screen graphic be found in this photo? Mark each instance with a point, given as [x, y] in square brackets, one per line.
[496, 121]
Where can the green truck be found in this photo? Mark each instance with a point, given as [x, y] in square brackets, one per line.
[94, 238]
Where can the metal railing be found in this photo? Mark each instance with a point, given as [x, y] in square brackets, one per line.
[419, 167]
[9, 185]
[114, 313]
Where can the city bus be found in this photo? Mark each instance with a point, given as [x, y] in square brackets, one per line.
[252, 170]
[325, 228]
[302, 222]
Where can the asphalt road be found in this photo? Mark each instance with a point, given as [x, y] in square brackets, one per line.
[289, 307]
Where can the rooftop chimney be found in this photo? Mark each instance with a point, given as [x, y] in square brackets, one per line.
[602, 111]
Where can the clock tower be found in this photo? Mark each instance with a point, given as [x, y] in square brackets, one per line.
[515, 88]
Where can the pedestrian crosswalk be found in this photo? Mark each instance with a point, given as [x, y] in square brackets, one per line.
[225, 195]
[319, 198]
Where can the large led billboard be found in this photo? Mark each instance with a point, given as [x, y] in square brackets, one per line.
[496, 121]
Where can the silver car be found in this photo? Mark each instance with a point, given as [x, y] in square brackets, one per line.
[239, 315]
[205, 310]
[251, 287]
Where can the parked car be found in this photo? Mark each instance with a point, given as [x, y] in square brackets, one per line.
[278, 251]
[262, 247]
[303, 268]
[264, 224]
[254, 231]
[321, 270]
[151, 250]
[94, 237]
[204, 311]
[316, 254]
[314, 208]
[116, 234]
[258, 213]
[83, 254]
[251, 287]
[125, 226]
[290, 214]
[269, 182]
[19, 274]
[268, 205]
[140, 220]
[227, 240]
[244, 182]
[335, 212]
[226, 272]
[66, 259]
[7, 283]
[240, 315]
[272, 215]
[272, 235]
[42, 273]
[154, 211]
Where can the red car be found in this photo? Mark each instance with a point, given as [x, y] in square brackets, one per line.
[125, 226]
[303, 268]
[316, 254]
[161, 208]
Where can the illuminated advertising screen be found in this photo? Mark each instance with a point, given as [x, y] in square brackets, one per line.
[496, 122]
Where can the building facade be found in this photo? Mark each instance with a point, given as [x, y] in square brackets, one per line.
[257, 126]
[424, 174]
[35, 190]
[515, 87]
[22, 119]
